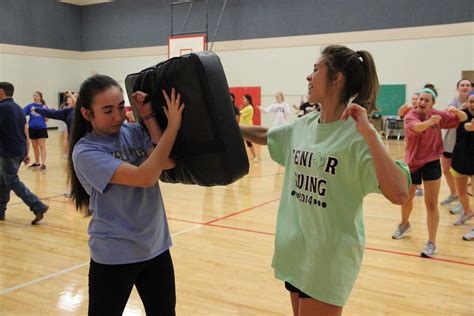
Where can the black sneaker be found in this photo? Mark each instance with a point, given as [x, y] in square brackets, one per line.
[39, 214]
[33, 165]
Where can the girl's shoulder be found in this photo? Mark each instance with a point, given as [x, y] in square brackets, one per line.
[443, 113]
[455, 102]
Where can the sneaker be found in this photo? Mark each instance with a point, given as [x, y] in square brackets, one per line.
[2, 217]
[43, 168]
[429, 251]
[457, 209]
[33, 165]
[39, 214]
[463, 218]
[401, 230]
[67, 195]
[419, 192]
[450, 199]
[469, 236]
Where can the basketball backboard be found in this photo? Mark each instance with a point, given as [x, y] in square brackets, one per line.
[180, 45]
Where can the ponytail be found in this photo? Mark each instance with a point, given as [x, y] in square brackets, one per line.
[80, 127]
[367, 95]
[358, 69]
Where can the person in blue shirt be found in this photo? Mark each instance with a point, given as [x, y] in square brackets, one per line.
[114, 170]
[14, 150]
[65, 114]
[38, 131]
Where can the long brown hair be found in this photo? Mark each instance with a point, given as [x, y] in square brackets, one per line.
[358, 69]
[80, 127]
[41, 97]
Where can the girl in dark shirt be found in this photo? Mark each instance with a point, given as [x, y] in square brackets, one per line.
[462, 167]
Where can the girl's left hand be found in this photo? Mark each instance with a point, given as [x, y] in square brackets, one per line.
[359, 115]
[143, 109]
[452, 109]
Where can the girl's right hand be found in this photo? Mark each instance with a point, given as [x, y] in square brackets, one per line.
[173, 109]
[435, 119]
[469, 126]
[143, 108]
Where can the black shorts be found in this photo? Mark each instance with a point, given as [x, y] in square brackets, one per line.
[249, 144]
[293, 289]
[448, 155]
[38, 133]
[430, 171]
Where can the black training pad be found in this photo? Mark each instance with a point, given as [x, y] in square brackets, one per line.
[209, 149]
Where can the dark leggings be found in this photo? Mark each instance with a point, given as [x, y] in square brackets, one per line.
[110, 286]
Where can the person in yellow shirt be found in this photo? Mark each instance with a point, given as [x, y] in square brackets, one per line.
[246, 118]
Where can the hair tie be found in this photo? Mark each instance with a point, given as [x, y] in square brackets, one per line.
[359, 55]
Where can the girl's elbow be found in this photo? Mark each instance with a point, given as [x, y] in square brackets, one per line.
[150, 180]
[170, 164]
[148, 183]
[399, 197]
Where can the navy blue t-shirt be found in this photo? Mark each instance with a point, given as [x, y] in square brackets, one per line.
[12, 129]
[463, 152]
[66, 115]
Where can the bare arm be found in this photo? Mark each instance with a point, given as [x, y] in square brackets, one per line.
[155, 133]
[254, 134]
[148, 173]
[392, 181]
[423, 126]
[264, 110]
[72, 96]
[461, 115]
[469, 126]
[403, 110]
[26, 160]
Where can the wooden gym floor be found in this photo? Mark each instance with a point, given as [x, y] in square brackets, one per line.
[223, 244]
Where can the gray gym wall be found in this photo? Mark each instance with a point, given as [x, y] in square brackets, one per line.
[142, 23]
[40, 23]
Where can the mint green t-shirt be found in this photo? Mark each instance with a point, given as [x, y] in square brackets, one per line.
[320, 235]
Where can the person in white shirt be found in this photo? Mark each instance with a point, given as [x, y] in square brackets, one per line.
[280, 108]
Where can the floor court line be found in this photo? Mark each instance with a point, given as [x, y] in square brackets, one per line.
[242, 211]
[41, 198]
[211, 223]
[367, 248]
[81, 265]
[46, 277]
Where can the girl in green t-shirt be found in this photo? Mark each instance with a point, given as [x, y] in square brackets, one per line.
[333, 159]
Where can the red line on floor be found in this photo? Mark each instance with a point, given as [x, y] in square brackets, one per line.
[65, 202]
[367, 248]
[242, 211]
[211, 223]
[241, 229]
[418, 256]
